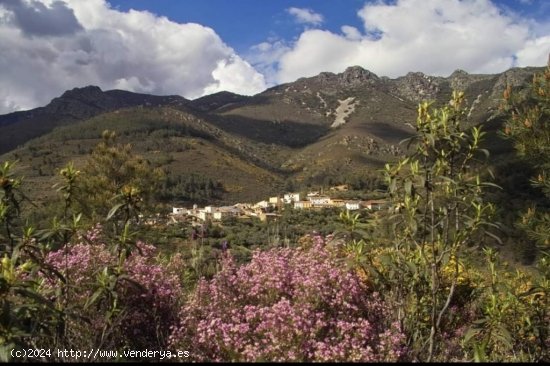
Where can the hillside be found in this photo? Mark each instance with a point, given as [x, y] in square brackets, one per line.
[74, 105]
[312, 131]
[180, 143]
[341, 123]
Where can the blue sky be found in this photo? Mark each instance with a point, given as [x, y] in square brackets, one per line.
[244, 23]
[198, 47]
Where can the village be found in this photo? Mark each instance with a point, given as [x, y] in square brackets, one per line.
[269, 210]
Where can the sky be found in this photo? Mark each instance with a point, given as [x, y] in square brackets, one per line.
[198, 47]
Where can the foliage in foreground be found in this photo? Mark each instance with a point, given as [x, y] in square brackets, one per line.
[439, 211]
[129, 303]
[422, 257]
[528, 127]
[293, 304]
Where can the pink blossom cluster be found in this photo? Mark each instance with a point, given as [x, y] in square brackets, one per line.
[150, 296]
[294, 304]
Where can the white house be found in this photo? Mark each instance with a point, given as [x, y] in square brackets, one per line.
[353, 205]
[291, 197]
[203, 215]
[375, 204]
[336, 202]
[178, 210]
[262, 204]
[218, 215]
[302, 205]
[226, 211]
[320, 201]
[275, 201]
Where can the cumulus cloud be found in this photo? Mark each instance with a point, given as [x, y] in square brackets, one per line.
[534, 51]
[305, 16]
[432, 36]
[50, 46]
[235, 74]
[265, 58]
[37, 19]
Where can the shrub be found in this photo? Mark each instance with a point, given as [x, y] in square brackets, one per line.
[437, 214]
[292, 304]
[146, 294]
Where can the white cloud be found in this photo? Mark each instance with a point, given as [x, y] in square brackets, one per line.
[265, 57]
[92, 43]
[351, 33]
[534, 52]
[305, 16]
[235, 74]
[432, 36]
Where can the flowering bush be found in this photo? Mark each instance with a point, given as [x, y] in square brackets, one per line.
[287, 305]
[147, 292]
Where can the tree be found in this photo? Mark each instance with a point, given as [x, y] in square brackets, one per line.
[25, 314]
[10, 198]
[438, 212]
[113, 176]
[528, 126]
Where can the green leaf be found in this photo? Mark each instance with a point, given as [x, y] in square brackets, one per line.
[35, 296]
[481, 321]
[532, 291]
[5, 352]
[114, 210]
[93, 299]
[489, 184]
[485, 152]
[470, 333]
[408, 187]
[479, 353]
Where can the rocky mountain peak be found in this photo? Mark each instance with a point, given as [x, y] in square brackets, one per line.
[461, 80]
[416, 86]
[353, 76]
[326, 77]
[356, 75]
[458, 73]
[87, 93]
[411, 75]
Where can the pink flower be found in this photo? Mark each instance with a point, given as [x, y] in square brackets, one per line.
[150, 298]
[287, 305]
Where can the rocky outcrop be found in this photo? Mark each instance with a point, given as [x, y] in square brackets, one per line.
[416, 87]
[513, 77]
[352, 77]
[357, 76]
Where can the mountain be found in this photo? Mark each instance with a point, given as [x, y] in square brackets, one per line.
[316, 130]
[338, 123]
[74, 105]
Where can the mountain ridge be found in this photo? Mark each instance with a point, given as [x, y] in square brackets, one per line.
[311, 131]
[73, 105]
